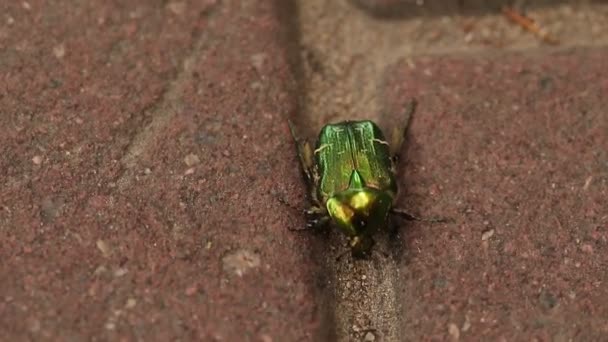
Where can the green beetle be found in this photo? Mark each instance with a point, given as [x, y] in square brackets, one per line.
[351, 178]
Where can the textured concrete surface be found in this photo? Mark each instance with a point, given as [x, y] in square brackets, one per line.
[144, 150]
[142, 146]
[515, 148]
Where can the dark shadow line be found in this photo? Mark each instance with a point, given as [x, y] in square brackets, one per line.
[291, 38]
[407, 9]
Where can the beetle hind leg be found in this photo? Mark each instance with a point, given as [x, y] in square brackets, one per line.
[305, 153]
[316, 218]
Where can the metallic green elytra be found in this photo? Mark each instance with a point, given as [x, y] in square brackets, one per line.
[351, 177]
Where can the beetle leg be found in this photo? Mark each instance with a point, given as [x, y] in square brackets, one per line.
[305, 153]
[317, 223]
[411, 217]
[400, 131]
[316, 217]
[314, 220]
[315, 211]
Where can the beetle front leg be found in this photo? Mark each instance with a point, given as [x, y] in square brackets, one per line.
[316, 217]
[411, 217]
[315, 222]
[318, 223]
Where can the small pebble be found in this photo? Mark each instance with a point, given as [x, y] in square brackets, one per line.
[469, 37]
[131, 302]
[487, 234]
[191, 159]
[120, 272]
[265, 338]
[104, 248]
[258, 60]
[100, 270]
[466, 325]
[587, 182]
[191, 290]
[369, 337]
[59, 51]
[178, 8]
[240, 262]
[454, 331]
[37, 160]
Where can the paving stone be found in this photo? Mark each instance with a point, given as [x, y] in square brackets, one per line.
[513, 144]
[106, 232]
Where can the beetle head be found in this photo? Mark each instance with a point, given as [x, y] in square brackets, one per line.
[359, 213]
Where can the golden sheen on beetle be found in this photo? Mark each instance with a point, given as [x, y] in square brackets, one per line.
[351, 178]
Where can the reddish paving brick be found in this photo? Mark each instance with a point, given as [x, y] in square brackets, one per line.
[514, 147]
[143, 148]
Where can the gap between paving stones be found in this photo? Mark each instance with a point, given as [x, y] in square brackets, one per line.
[162, 111]
[344, 54]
